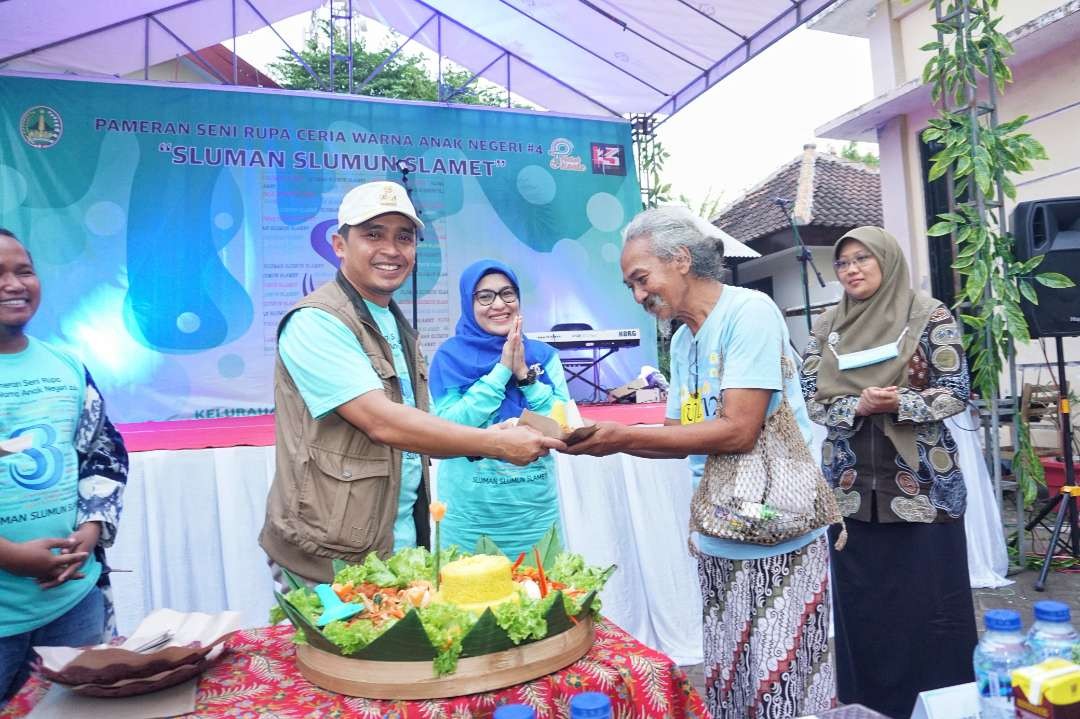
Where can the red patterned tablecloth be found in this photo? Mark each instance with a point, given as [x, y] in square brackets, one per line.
[258, 678]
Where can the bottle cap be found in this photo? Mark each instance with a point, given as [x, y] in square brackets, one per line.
[1051, 611]
[515, 711]
[1002, 620]
[590, 704]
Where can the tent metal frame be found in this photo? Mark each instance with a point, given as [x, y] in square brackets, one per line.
[342, 20]
[643, 125]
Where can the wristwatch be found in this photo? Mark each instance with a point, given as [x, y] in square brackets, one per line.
[534, 372]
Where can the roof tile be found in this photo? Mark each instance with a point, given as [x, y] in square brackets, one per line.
[845, 194]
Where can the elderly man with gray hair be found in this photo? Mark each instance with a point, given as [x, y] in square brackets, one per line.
[766, 608]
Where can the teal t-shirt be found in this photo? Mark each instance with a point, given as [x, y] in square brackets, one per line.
[330, 368]
[515, 506]
[737, 347]
[41, 396]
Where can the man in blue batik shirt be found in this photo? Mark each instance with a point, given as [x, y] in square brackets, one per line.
[62, 475]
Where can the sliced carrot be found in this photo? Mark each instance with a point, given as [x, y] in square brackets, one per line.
[540, 570]
[520, 559]
[526, 571]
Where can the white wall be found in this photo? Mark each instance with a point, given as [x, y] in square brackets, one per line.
[916, 26]
[783, 267]
[178, 69]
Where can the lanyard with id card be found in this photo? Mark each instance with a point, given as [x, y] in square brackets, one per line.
[693, 410]
[693, 407]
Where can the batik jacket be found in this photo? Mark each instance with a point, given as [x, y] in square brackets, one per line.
[103, 470]
[860, 462]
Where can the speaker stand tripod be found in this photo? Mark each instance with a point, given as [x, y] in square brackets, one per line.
[1065, 502]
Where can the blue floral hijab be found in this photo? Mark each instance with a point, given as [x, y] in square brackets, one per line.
[473, 351]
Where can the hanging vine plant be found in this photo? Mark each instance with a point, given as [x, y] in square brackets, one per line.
[981, 156]
[653, 158]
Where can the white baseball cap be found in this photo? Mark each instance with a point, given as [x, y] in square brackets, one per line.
[372, 199]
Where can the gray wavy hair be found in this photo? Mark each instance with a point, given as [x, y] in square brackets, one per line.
[671, 227]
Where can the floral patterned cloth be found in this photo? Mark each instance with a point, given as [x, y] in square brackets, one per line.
[258, 677]
[860, 462]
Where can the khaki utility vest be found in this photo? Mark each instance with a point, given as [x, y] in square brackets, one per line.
[335, 490]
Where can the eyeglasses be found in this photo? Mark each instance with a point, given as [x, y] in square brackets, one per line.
[860, 261]
[485, 297]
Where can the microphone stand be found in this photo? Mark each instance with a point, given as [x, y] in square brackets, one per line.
[787, 207]
[420, 238]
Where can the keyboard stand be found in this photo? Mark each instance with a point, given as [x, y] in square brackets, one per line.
[576, 367]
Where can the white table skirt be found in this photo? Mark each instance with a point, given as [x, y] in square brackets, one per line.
[192, 518]
[191, 521]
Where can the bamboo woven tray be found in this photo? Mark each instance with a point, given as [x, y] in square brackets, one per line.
[416, 680]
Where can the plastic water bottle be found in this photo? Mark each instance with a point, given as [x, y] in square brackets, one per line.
[1052, 635]
[590, 705]
[1001, 649]
[515, 711]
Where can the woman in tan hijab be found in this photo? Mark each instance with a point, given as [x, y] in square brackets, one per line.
[882, 370]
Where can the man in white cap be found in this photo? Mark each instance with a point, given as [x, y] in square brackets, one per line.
[351, 394]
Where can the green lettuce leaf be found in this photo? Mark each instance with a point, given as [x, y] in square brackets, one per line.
[524, 620]
[446, 625]
[353, 635]
[571, 570]
[373, 570]
[411, 564]
[305, 602]
[277, 615]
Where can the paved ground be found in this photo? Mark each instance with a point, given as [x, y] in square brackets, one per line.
[1020, 595]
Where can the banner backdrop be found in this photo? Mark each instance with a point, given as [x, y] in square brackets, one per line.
[173, 226]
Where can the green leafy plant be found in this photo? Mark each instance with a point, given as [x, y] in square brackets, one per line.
[708, 207]
[653, 157]
[979, 155]
[851, 152]
[1026, 465]
[404, 76]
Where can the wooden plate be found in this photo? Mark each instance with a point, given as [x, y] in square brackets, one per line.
[417, 680]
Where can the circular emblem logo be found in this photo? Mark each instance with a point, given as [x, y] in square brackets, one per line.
[41, 127]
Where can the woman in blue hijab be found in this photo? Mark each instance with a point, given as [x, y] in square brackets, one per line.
[486, 373]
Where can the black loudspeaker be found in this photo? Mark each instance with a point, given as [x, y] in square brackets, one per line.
[1052, 228]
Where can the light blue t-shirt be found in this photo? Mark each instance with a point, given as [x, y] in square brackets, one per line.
[41, 396]
[737, 347]
[330, 368]
[514, 506]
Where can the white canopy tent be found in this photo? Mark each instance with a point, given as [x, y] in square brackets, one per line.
[734, 248]
[586, 57]
[640, 59]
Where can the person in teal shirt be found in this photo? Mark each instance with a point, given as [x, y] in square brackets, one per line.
[765, 618]
[351, 389]
[62, 476]
[488, 372]
[329, 367]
